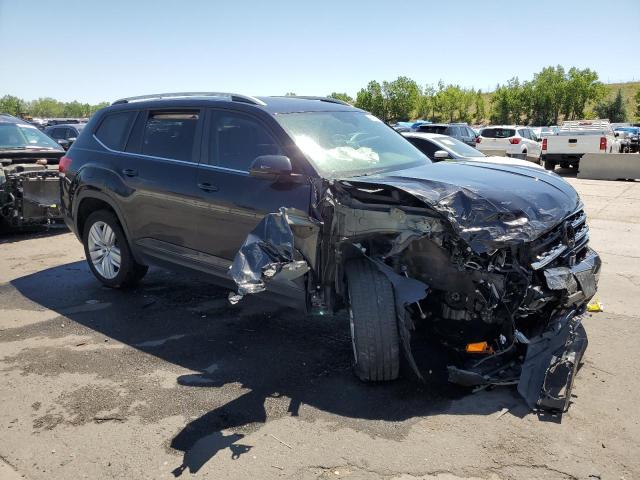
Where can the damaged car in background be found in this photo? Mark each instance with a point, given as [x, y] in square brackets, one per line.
[29, 187]
[311, 198]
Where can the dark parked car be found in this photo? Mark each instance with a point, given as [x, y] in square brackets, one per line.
[325, 207]
[630, 138]
[65, 134]
[460, 131]
[29, 192]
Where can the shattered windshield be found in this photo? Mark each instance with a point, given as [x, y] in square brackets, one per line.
[18, 136]
[354, 143]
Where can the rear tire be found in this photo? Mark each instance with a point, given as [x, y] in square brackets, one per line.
[549, 165]
[121, 273]
[374, 329]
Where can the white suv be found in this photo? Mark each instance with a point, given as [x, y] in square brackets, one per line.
[510, 140]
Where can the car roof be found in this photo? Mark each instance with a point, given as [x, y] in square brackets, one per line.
[272, 105]
[6, 118]
[80, 125]
[277, 105]
[425, 135]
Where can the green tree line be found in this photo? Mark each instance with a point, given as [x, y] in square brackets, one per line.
[554, 94]
[47, 107]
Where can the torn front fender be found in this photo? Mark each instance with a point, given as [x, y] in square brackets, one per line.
[271, 251]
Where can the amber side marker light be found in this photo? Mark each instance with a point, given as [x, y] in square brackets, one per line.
[479, 347]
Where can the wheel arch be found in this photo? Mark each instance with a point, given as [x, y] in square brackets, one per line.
[90, 201]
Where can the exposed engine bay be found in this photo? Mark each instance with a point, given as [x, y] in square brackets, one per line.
[29, 193]
[503, 285]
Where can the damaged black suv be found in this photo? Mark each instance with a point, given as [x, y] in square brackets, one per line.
[326, 208]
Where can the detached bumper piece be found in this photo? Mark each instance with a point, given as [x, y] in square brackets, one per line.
[551, 363]
[545, 378]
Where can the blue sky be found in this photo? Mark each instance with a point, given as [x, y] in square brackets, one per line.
[94, 50]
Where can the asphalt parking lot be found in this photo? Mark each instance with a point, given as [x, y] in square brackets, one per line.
[170, 380]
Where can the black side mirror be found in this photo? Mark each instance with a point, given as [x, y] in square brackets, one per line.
[270, 166]
[64, 143]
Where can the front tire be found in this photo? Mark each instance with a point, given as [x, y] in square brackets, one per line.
[108, 253]
[374, 329]
[549, 165]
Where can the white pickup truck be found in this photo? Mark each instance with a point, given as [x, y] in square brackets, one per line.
[574, 139]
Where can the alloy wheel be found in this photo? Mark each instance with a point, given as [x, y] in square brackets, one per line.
[104, 250]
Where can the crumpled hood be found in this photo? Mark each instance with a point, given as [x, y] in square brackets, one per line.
[489, 205]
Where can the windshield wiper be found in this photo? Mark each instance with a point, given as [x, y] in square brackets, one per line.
[368, 174]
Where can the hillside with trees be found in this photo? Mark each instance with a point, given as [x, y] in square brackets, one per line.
[552, 95]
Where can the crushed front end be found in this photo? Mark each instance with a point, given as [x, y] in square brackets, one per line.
[501, 279]
[29, 194]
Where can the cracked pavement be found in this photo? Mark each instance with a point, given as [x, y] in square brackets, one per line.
[169, 380]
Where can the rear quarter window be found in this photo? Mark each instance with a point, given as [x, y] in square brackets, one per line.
[498, 132]
[114, 129]
[170, 134]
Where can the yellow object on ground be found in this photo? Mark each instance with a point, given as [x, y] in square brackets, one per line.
[595, 306]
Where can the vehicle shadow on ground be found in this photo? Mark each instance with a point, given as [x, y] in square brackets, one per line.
[285, 363]
[8, 236]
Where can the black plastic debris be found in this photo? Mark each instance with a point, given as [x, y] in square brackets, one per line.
[551, 363]
[267, 254]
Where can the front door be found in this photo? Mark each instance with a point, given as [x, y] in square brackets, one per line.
[232, 202]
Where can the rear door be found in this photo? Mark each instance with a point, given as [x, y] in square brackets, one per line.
[232, 202]
[160, 168]
[468, 136]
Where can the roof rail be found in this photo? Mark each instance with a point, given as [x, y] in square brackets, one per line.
[320, 99]
[234, 97]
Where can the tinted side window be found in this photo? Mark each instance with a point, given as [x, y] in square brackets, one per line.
[236, 140]
[425, 146]
[454, 131]
[170, 134]
[524, 133]
[114, 128]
